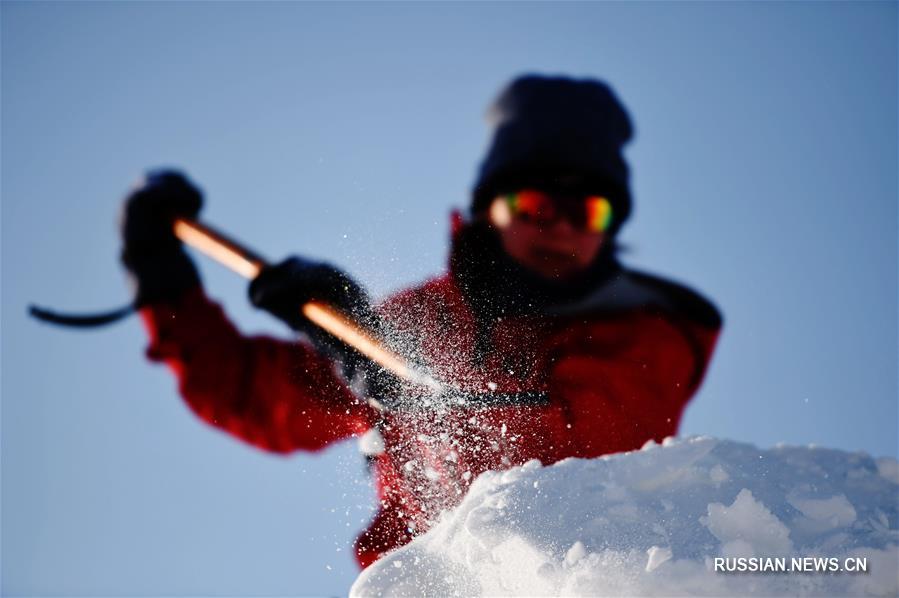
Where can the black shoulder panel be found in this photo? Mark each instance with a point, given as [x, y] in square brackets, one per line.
[682, 299]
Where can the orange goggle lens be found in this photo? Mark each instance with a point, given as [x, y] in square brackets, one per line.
[592, 213]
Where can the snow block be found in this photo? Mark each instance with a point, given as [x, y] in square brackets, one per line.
[656, 522]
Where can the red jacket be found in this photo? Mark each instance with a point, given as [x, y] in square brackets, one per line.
[604, 375]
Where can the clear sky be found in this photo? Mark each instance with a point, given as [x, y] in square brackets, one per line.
[765, 175]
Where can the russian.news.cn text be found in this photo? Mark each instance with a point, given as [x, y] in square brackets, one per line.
[809, 564]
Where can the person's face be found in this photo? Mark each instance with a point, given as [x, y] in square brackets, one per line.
[554, 248]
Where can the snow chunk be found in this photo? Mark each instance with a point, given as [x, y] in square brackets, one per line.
[747, 528]
[837, 511]
[657, 556]
[610, 526]
[371, 443]
[575, 553]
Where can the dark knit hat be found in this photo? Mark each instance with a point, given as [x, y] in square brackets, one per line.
[549, 128]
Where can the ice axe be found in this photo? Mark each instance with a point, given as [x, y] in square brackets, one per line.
[248, 264]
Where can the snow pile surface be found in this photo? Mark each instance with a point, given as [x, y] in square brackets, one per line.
[651, 523]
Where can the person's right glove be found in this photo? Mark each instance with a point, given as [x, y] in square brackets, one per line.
[153, 255]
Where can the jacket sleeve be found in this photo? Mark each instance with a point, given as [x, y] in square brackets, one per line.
[277, 395]
[629, 382]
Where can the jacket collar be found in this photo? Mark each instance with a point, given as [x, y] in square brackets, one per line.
[496, 286]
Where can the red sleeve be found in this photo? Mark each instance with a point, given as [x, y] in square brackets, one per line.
[276, 395]
[626, 383]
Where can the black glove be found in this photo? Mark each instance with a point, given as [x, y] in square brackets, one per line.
[282, 290]
[152, 253]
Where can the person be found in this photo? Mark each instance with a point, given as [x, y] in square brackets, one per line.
[547, 345]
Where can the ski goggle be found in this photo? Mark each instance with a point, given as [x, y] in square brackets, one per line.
[592, 213]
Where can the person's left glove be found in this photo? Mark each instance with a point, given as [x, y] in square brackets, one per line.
[282, 290]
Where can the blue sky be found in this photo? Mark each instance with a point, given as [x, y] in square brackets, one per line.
[764, 172]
